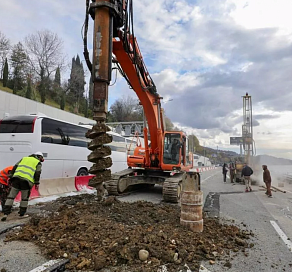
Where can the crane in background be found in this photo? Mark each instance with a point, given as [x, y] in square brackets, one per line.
[246, 141]
[247, 129]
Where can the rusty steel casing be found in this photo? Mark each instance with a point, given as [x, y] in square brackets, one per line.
[102, 59]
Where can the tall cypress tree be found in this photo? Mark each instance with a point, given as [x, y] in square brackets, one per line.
[62, 101]
[5, 73]
[57, 79]
[76, 84]
[28, 90]
[42, 86]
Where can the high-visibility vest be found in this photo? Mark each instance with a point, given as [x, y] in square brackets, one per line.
[4, 175]
[26, 169]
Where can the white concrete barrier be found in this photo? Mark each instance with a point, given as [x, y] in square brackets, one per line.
[202, 169]
[56, 186]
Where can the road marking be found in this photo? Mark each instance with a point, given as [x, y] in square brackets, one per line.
[209, 177]
[284, 237]
[51, 265]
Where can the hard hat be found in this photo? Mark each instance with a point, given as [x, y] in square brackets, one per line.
[38, 153]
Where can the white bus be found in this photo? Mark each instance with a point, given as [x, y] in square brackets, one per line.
[63, 144]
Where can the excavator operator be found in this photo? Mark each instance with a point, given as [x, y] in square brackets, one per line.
[175, 150]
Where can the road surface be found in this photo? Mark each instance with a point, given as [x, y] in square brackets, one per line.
[270, 219]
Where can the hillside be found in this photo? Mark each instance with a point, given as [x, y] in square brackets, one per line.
[270, 160]
[36, 97]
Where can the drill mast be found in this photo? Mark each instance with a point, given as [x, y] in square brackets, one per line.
[247, 130]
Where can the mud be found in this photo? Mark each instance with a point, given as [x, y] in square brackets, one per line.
[108, 236]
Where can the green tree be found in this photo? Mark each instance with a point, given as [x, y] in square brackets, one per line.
[62, 101]
[19, 64]
[42, 86]
[194, 143]
[76, 84]
[55, 91]
[168, 124]
[5, 73]
[28, 93]
[57, 79]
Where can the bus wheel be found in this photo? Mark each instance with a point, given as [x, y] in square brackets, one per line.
[82, 172]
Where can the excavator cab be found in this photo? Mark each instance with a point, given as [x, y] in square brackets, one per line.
[175, 151]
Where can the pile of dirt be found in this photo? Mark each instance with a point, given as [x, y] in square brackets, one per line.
[111, 234]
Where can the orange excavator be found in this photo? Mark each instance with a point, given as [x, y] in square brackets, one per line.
[166, 159]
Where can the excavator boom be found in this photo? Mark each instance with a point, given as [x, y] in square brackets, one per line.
[114, 42]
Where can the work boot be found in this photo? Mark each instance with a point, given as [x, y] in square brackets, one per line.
[23, 215]
[250, 189]
[4, 218]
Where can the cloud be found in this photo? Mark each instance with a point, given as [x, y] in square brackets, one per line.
[202, 54]
[266, 116]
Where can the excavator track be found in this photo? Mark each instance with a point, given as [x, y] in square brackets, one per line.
[172, 188]
[113, 184]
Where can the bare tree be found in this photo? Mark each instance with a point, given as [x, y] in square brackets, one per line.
[126, 109]
[45, 52]
[4, 50]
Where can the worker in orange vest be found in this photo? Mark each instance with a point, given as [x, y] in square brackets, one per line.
[4, 184]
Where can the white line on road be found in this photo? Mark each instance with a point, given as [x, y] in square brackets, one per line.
[284, 237]
[44, 267]
[209, 177]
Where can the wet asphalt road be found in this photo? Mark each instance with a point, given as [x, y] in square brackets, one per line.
[254, 210]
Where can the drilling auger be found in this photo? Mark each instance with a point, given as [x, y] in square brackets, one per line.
[106, 14]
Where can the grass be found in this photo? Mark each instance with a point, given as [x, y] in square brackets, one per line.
[49, 101]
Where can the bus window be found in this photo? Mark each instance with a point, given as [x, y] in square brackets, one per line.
[17, 124]
[118, 144]
[57, 132]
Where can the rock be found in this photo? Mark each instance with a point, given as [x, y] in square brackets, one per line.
[228, 264]
[212, 262]
[109, 201]
[84, 263]
[240, 242]
[143, 255]
[65, 255]
[175, 257]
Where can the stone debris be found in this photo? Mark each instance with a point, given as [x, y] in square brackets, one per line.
[117, 236]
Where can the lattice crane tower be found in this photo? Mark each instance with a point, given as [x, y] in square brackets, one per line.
[247, 131]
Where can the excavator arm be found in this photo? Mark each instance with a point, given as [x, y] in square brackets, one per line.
[164, 162]
[114, 41]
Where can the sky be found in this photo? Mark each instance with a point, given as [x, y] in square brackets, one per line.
[202, 55]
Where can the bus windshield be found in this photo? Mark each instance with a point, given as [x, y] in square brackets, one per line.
[17, 124]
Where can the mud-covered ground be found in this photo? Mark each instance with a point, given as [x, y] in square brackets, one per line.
[108, 236]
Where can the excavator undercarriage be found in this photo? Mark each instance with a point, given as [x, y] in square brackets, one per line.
[123, 181]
